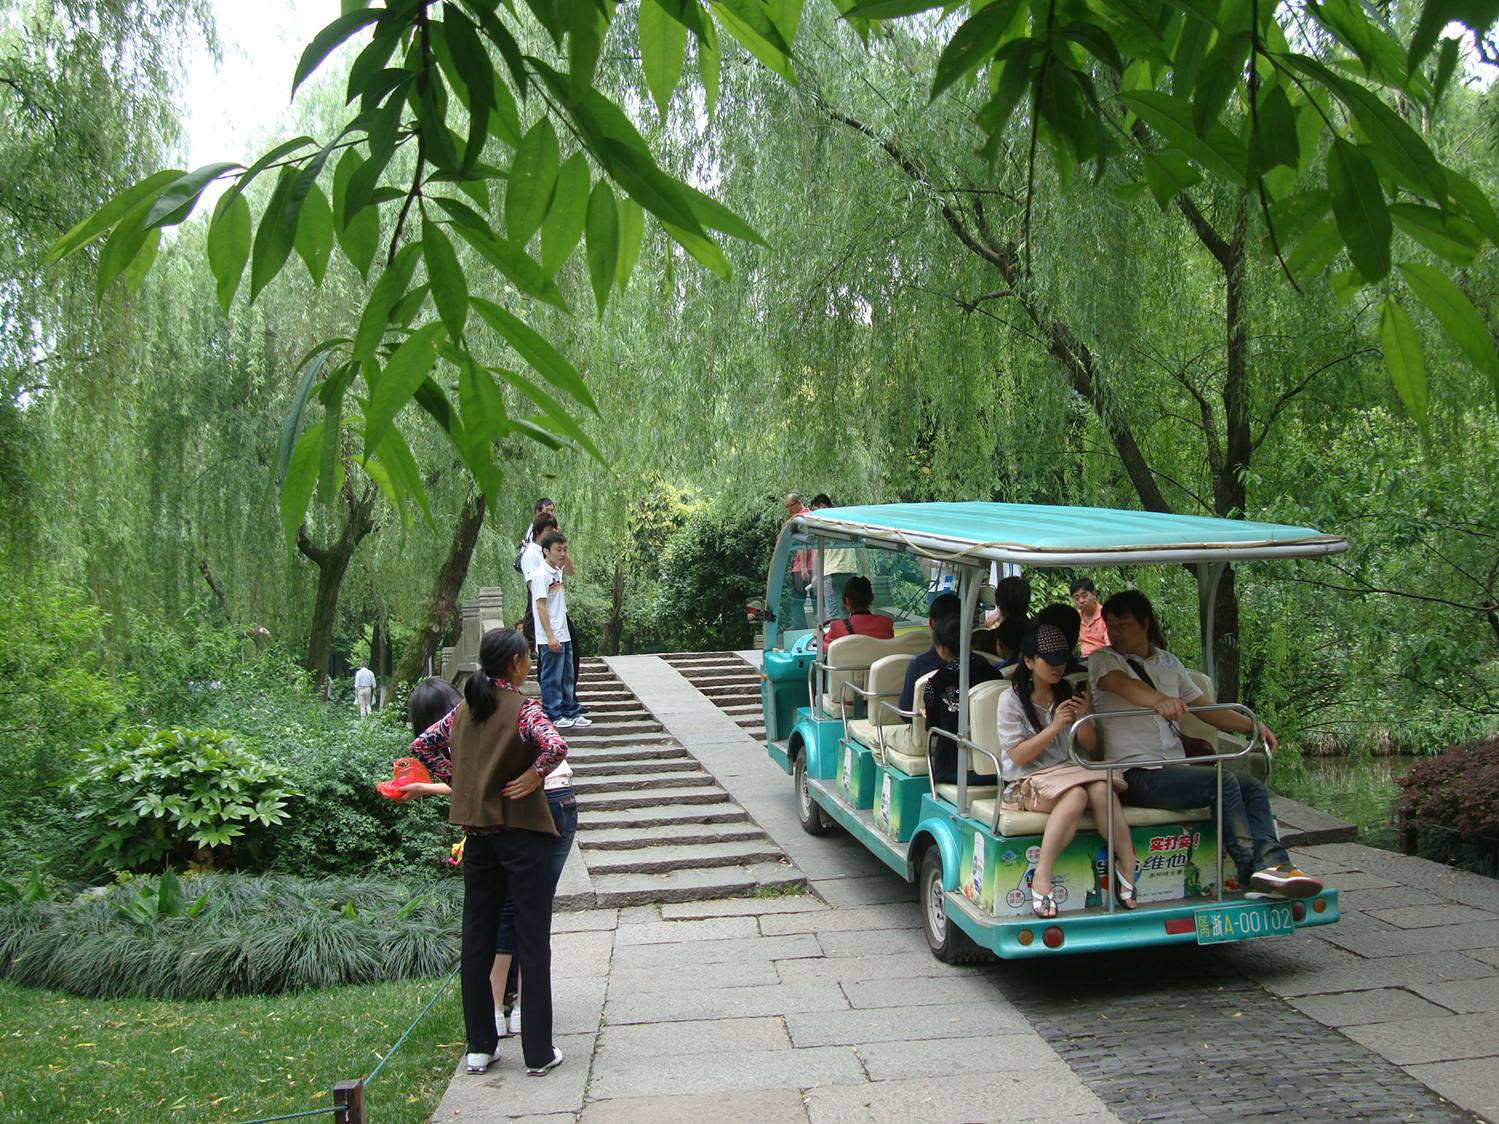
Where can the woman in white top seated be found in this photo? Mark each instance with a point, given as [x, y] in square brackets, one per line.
[1040, 776]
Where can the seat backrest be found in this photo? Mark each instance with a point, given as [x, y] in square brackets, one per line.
[1192, 726]
[983, 721]
[849, 659]
[887, 675]
[911, 641]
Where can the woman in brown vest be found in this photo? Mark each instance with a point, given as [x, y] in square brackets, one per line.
[494, 750]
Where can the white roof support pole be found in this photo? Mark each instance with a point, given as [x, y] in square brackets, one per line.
[1209, 574]
[970, 579]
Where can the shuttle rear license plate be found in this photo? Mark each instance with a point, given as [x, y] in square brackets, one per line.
[1221, 924]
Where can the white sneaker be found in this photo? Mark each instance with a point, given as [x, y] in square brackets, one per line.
[515, 1020]
[563, 723]
[501, 1024]
[541, 1071]
[478, 1063]
[580, 720]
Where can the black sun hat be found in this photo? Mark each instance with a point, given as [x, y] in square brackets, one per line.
[1047, 642]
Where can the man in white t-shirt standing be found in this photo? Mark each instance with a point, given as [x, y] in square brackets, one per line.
[1136, 672]
[364, 690]
[549, 613]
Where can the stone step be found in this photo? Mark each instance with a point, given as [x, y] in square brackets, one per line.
[651, 797]
[602, 724]
[616, 768]
[630, 838]
[664, 814]
[739, 694]
[709, 682]
[603, 755]
[588, 736]
[612, 890]
[618, 706]
[686, 856]
[628, 780]
[742, 708]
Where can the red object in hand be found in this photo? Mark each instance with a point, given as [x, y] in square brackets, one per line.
[408, 770]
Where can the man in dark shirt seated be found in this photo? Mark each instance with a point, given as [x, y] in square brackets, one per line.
[943, 696]
[945, 605]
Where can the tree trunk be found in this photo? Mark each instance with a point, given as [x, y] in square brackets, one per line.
[218, 590]
[332, 563]
[614, 627]
[443, 603]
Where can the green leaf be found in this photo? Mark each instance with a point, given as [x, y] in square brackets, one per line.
[484, 416]
[1475, 203]
[533, 178]
[542, 356]
[708, 65]
[396, 456]
[280, 152]
[1276, 144]
[329, 478]
[125, 241]
[663, 51]
[140, 265]
[1220, 152]
[1448, 236]
[311, 365]
[273, 242]
[631, 228]
[229, 246]
[1315, 250]
[178, 200]
[324, 42]
[973, 43]
[111, 213]
[518, 267]
[449, 286]
[748, 22]
[1358, 206]
[1402, 355]
[359, 239]
[1457, 316]
[408, 306]
[301, 478]
[603, 242]
[314, 237]
[1446, 68]
[398, 381]
[564, 222]
[1168, 174]
[555, 412]
[389, 289]
[715, 216]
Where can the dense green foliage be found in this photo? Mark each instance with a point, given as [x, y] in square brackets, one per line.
[150, 797]
[219, 935]
[1453, 802]
[67, 1058]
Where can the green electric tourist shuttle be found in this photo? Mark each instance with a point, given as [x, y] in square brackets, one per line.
[858, 761]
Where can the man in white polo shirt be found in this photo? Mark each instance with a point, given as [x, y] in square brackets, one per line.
[1136, 672]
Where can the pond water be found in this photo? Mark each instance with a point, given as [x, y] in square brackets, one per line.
[1360, 789]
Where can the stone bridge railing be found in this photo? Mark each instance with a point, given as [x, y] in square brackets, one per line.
[478, 617]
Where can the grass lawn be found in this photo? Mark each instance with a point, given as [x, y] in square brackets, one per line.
[69, 1059]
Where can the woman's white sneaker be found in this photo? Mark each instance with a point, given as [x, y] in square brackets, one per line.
[540, 1071]
[514, 1020]
[478, 1063]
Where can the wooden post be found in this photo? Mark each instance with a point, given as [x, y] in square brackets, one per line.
[348, 1102]
[1407, 833]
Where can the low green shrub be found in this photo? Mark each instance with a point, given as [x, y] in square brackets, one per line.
[153, 797]
[216, 935]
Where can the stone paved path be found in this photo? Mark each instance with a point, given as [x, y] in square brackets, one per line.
[829, 1008]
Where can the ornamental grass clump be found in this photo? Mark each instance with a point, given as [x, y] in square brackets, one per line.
[215, 935]
[153, 798]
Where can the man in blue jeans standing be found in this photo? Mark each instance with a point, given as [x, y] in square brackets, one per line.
[549, 609]
[1136, 672]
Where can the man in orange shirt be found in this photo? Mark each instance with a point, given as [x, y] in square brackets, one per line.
[1095, 634]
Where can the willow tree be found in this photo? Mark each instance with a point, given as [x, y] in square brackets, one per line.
[1176, 93]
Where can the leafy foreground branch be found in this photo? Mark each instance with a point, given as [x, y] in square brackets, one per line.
[1300, 108]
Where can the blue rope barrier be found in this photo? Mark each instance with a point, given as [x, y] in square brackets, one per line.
[420, 1015]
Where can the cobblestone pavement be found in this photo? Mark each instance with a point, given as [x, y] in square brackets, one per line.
[1184, 1037]
[828, 1008]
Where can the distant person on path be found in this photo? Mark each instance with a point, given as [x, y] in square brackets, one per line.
[798, 580]
[1095, 632]
[364, 690]
[840, 565]
[549, 604]
[858, 596]
[1136, 671]
[494, 750]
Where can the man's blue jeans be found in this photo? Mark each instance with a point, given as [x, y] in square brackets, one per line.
[1248, 825]
[558, 689]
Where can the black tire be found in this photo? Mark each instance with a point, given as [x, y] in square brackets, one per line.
[948, 943]
[812, 819]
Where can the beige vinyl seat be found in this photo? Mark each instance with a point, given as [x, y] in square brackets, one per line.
[983, 721]
[887, 675]
[850, 659]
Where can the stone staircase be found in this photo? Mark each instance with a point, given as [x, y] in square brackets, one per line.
[729, 682]
[653, 825]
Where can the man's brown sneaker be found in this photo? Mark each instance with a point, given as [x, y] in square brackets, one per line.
[1286, 881]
